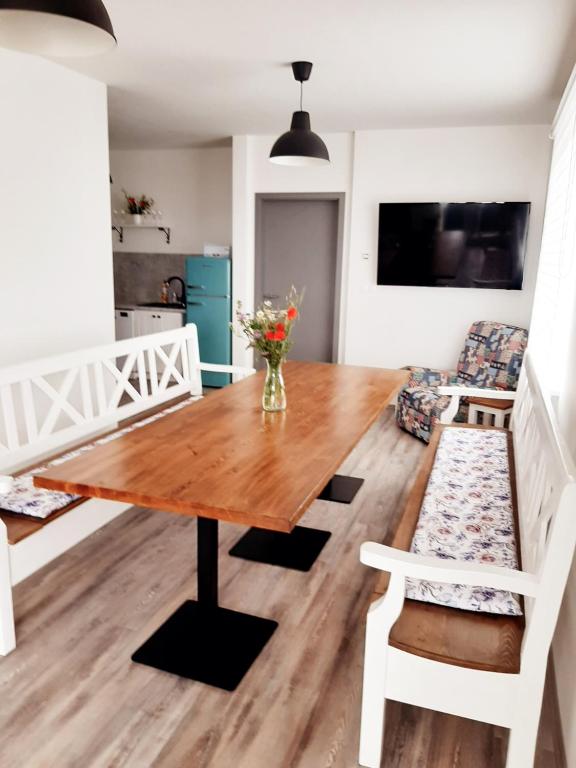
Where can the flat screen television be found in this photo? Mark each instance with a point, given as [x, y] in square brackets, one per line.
[462, 245]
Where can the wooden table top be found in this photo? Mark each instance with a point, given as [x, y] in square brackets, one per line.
[225, 458]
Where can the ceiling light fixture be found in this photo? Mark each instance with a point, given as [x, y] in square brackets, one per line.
[300, 146]
[56, 27]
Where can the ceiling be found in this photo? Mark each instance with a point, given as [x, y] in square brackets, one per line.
[188, 73]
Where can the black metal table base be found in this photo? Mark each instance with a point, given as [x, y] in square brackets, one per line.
[209, 644]
[341, 489]
[297, 550]
[201, 640]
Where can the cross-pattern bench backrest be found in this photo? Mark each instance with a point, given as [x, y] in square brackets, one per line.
[48, 404]
[546, 487]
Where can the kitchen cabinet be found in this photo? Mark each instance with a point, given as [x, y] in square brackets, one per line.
[153, 321]
[141, 322]
[124, 323]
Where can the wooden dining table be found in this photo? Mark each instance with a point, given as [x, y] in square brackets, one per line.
[225, 459]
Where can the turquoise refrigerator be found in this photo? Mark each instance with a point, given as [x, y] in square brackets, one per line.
[209, 306]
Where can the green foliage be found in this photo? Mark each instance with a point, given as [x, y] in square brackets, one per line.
[268, 330]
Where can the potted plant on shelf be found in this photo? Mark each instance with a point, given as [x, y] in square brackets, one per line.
[138, 207]
[268, 331]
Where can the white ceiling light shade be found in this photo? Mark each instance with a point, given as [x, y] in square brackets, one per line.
[56, 27]
[300, 146]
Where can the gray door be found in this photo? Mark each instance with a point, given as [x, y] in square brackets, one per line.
[298, 245]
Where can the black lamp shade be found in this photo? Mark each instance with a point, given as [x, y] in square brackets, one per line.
[56, 27]
[299, 145]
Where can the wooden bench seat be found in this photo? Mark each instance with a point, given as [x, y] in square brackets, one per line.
[19, 527]
[483, 666]
[50, 406]
[464, 638]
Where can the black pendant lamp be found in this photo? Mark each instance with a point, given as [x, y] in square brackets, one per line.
[300, 146]
[56, 27]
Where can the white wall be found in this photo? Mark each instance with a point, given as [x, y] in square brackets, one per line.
[253, 173]
[55, 241]
[394, 325]
[192, 188]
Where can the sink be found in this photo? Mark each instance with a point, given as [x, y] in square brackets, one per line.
[164, 305]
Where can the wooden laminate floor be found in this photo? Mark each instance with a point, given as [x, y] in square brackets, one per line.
[71, 698]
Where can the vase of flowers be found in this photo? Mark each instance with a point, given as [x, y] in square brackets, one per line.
[268, 331]
[138, 207]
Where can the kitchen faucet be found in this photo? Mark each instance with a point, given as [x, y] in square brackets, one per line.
[182, 298]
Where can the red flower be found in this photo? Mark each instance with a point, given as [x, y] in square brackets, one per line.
[279, 336]
[292, 313]
[280, 327]
[270, 335]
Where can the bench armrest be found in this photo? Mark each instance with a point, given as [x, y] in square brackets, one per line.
[492, 394]
[221, 368]
[455, 392]
[409, 564]
[6, 483]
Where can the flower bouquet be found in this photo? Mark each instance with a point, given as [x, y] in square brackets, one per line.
[268, 331]
[138, 206]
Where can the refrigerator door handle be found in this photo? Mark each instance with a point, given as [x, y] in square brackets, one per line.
[197, 303]
[198, 287]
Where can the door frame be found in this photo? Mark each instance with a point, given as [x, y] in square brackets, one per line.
[340, 198]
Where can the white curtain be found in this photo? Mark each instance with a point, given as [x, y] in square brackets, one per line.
[551, 331]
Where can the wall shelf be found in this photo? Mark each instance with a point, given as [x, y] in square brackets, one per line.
[119, 229]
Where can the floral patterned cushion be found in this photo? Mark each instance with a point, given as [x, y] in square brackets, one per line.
[24, 499]
[467, 515]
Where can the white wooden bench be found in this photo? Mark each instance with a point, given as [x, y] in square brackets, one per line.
[482, 666]
[48, 406]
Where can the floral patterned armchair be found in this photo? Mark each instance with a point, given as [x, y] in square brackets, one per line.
[491, 359]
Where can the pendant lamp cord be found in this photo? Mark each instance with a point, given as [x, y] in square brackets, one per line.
[301, 91]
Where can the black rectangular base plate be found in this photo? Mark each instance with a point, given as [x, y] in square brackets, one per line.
[212, 645]
[341, 489]
[297, 550]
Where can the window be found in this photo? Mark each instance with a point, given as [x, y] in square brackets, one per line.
[555, 297]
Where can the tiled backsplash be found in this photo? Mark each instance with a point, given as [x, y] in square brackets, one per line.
[138, 277]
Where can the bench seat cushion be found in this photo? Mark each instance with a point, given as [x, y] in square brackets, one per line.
[25, 499]
[472, 639]
[467, 514]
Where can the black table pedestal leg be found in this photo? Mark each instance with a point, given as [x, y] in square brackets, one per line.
[207, 553]
[342, 489]
[202, 641]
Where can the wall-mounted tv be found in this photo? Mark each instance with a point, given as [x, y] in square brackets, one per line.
[462, 245]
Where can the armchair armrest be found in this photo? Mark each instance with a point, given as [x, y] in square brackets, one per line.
[455, 392]
[492, 394]
[428, 377]
[6, 483]
[408, 564]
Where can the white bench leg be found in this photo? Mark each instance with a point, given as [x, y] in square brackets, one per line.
[499, 419]
[524, 733]
[381, 618]
[7, 633]
[472, 414]
[373, 694]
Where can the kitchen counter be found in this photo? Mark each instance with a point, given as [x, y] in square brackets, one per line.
[151, 309]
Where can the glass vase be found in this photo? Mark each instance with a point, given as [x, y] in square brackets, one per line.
[274, 395]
